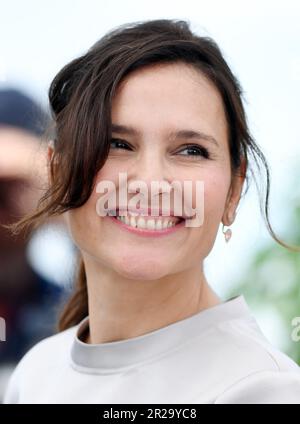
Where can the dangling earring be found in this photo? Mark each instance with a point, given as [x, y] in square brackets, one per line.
[227, 234]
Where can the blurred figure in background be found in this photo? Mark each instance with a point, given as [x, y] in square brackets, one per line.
[29, 302]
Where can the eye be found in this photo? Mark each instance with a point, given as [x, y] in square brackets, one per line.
[116, 143]
[196, 150]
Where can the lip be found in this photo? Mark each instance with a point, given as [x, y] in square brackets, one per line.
[146, 233]
[148, 212]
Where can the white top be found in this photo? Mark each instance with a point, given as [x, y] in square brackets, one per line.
[218, 355]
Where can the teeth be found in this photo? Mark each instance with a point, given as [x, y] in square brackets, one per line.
[132, 221]
[149, 224]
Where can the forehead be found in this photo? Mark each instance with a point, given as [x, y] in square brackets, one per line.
[168, 95]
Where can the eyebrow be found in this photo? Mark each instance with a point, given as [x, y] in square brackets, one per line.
[180, 134]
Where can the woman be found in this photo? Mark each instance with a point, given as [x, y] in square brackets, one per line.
[155, 102]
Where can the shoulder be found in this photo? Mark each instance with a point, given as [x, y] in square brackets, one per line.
[264, 387]
[244, 340]
[43, 358]
[54, 346]
[265, 373]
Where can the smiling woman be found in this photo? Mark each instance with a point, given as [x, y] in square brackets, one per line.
[158, 103]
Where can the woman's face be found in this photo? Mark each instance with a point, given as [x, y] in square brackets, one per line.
[156, 101]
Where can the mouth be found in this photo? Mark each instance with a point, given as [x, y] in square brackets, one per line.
[148, 225]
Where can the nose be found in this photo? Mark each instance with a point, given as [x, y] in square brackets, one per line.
[150, 167]
[151, 172]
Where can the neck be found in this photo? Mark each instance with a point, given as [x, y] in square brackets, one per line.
[122, 308]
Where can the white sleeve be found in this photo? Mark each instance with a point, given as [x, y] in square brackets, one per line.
[264, 387]
[11, 394]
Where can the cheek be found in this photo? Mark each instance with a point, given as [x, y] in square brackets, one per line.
[215, 194]
[216, 183]
[83, 224]
[111, 169]
[216, 186]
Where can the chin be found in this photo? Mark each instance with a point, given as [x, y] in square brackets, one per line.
[142, 268]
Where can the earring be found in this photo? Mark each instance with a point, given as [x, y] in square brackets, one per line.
[227, 234]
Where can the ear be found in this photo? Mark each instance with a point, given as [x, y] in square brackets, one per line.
[50, 151]
[234, 194]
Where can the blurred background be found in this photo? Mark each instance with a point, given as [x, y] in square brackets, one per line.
[261, 43]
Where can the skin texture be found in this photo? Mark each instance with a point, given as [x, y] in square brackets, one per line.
[136, 284]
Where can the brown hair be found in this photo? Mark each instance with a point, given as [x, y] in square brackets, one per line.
[80, 99]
